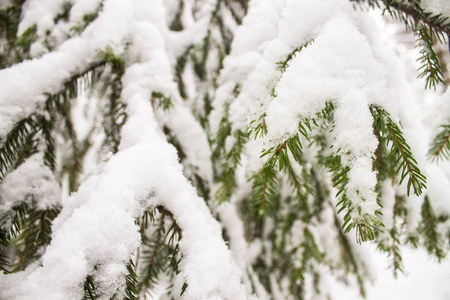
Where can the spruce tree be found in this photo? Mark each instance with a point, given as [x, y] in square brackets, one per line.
[215, 149]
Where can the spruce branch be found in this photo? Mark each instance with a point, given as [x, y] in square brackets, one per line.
[160, 250]
[404, 161]
[227, 181]
[153, 257]
[12, 220]
[176, 24]
[430, 68]
[115, 116]
[286, 222]
[131, 285]
[400, 212]
[31, 228]
[28, 229]
[440, 146]
[350, 262]
[4, 259]
[258, 128]
[297, 281]
[384, 162]
[411, 13]
[73, 164]
[58, 106]
[237, 16]
[317, 187]
[35, 233]
[115, 61]
[302, 188]
[292, 149]
[264, 190]
[201, 185]
[227, 184]
[161, 101]
[393, 251]
[15, 143]
[366, 225]
[174, 229]
[207, 108]
[397, 261]
[279, 154]
[9, 21]
[171, 139]
[70, 88]
[438, 23]
[433, 240]
[179, 69]
[90, 290]
[87, 19]
[10, 226]
[223, 132]
[199, 55]
[47, 128]
[64, 13]
[225, 33]
[426, 26]
[196, 180]
[14, 49]
[283, 65]
[309, 252]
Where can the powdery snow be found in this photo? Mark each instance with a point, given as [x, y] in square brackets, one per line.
[437, 7]
[33, 182]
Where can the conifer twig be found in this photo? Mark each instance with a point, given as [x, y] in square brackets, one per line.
[440, 147]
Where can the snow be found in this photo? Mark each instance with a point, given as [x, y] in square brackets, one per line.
[41, 14]
[80, 8]
[192, 139]
[33, 182]
[437, 7]
[439, 189]
[259, 25]
[338, 62]
[245, 62]
[314, 14]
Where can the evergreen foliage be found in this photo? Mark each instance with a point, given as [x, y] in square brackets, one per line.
[401, 155]
[440, 147]
[432, 238]
[280, 201]
[426, 26]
